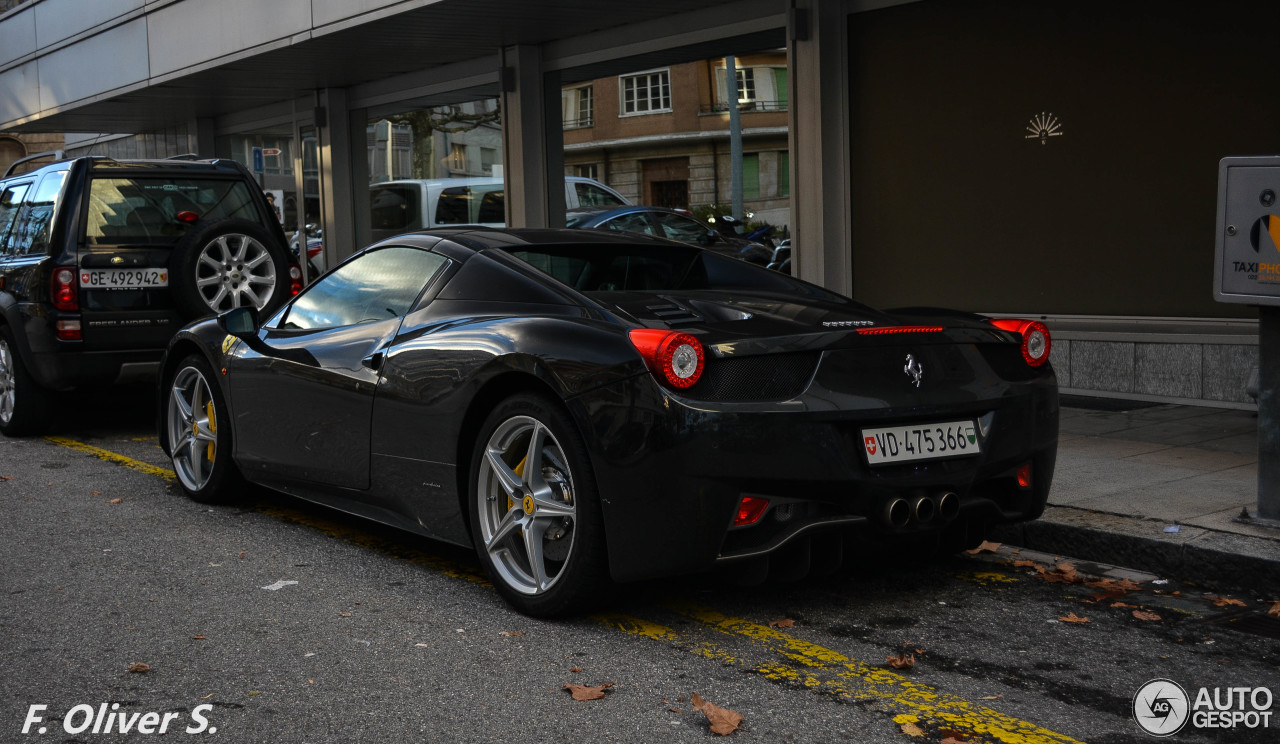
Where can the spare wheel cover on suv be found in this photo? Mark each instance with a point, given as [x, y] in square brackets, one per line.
[228, 264]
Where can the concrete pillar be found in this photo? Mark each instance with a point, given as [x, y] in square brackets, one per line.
[821, 231]
[533, 150]
[200, 134]
[337, 197]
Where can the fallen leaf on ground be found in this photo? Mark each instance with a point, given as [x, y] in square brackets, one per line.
[1144, 615]
[1120, 604]
[1063, 573]
[6, 477]
[96, 493]
[512, 633]
[587, 692]
[422, 645]
[198, 637]
[985, 547]
[901, 661]
[952, 735]
[1073, 618]
[723, 721]
[139, 668]
[1025, 564]
[116, 501]
[1112, 588]
[784, 623]
[1274, 611]
[1224, 601]
[910, 729]
[674, 710]
[576, 670]
[344, 614]
[991, 697]
[952, 740]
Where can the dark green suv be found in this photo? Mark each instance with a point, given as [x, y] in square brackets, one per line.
[101, 261]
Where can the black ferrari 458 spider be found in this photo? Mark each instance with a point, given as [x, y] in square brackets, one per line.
[585, 407]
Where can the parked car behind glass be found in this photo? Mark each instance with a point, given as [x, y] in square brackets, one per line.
[407, 205]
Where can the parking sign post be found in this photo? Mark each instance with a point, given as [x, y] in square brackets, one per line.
[1246, 270]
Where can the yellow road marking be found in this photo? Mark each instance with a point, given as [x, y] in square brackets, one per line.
[800, 663]
[811, 665]
[112, 457]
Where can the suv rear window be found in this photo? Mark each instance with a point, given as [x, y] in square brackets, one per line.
[144, 210]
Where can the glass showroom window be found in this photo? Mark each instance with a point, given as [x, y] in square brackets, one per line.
[646, 92]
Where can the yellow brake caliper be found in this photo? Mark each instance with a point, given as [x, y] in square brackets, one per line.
[213, 427]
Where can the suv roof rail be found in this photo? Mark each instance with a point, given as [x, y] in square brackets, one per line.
[185, 156]
[55, 154]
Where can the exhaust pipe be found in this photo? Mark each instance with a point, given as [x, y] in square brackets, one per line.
[897, 513]
[948, 506]
[924, 509]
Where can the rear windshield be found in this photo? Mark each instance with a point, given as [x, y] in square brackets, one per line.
[144, 210]
[659, 268]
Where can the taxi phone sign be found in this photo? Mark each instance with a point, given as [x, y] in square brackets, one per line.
[1246, 265]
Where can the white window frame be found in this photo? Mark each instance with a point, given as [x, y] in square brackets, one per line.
[622, 92]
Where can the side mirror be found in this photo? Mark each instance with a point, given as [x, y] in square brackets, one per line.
[240, 322]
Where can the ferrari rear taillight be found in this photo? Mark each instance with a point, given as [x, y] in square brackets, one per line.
[1036, 342]
[674, 357]
[64, 290]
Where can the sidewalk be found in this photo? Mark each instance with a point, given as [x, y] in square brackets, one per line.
[1159, 488]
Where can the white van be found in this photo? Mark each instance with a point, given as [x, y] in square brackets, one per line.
[405, 205]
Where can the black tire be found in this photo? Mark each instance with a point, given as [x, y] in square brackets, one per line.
[24, 405]
[198, 435]
[227, 264]
[563, 524]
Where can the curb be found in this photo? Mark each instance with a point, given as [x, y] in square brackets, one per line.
[1196, 555]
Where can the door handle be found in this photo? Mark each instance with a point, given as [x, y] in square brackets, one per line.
[374, 361]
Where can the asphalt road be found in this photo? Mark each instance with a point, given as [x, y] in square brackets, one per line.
[290, 623]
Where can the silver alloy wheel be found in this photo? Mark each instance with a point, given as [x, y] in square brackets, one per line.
[235, 270]
[193, 428]
[527, 512]
[8, 382]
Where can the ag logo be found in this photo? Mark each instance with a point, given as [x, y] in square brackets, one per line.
[1161, 707]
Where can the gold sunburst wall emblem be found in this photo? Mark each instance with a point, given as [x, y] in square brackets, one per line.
[1043, 126]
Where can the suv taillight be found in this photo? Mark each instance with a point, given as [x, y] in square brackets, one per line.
[64, 289]
[295, 279]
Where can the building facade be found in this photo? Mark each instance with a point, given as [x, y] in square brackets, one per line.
[1056, 160]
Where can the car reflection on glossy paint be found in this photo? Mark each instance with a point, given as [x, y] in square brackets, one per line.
[674, 224]
[586, 407]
